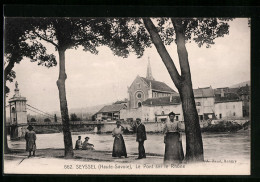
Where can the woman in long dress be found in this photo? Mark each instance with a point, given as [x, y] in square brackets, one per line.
[119, 149]
[172, 139]
[30, 137]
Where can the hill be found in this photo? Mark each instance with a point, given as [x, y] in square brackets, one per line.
[242, 84]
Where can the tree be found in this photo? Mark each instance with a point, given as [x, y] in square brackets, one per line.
[55, 118]
[33, 120]
[203, 31]
[47, 120]
[74, 117]
[68, 33]
[15, 49]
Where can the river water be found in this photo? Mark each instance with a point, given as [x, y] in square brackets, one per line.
[217, 146]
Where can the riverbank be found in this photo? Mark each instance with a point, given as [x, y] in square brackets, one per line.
[206, 126]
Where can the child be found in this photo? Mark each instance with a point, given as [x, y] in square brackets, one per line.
[30, 137]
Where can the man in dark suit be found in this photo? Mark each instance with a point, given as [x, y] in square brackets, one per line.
[140, 138]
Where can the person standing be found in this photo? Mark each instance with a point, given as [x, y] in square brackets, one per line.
[172, 140]
[140, 138]
[78, 145]
[119, 148]
[30, 137]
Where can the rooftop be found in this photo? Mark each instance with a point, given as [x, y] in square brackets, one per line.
[159, 86]
[228, 97]
[203, 92]
[159, 101]
[112, 108]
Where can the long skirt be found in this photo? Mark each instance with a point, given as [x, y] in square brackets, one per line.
[173, 148]
[119, 147]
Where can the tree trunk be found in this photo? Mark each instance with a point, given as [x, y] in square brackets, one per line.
[194, 145]
[6, 148]
[63, 106]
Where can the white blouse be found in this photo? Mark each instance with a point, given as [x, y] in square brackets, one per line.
[117, 131]
[171, 127]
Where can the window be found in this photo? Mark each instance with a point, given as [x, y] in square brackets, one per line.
[139, 104]
[162, 112]
[220, 116]
[198, 110]
[234, 114]
[138, 85]
[139, 95]
[198, 104]
[177, 118]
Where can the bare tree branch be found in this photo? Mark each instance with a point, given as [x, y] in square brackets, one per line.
[47, 40]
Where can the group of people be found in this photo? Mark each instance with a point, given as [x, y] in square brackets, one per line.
[119, 148]
[85, 145]
[172, 140]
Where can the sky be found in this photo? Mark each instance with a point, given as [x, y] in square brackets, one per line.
[100, 79]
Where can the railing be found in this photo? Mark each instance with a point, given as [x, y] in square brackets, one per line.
[59, 124]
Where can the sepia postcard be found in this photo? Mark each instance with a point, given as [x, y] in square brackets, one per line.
[127, 96]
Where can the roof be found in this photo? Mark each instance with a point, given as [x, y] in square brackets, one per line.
[160, 101]
[203, 92]
[243, 90]
[121, 102]
[156, 85]
[228, 97]
[112, 108]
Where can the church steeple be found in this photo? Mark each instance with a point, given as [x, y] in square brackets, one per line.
[149, 75]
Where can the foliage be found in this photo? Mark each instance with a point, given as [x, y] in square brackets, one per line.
[74, 117]
[16, 47]
[47, 120]
[203, 31]
[33, 120]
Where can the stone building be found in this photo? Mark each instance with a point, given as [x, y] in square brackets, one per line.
[18, 115]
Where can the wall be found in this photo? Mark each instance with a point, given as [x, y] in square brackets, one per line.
[131, 113]
[227, 109]
[150, 112]
[207, 105]
[134, 88]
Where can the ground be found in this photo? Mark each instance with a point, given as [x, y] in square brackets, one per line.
[51, 161]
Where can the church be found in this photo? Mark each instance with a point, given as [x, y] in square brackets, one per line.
[153, 100]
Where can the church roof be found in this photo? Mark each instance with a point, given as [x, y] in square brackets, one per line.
[161, 101]
[203, 92]
[159, 86]
[112, 108]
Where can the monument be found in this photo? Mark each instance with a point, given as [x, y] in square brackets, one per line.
[18, 115]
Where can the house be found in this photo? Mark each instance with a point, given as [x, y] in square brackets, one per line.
[204, 100]
[110, 112]
[228, 106]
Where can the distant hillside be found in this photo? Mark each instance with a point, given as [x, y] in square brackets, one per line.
[90, 109]
[242, 84]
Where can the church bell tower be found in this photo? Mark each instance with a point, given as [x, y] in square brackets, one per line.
[149, 75]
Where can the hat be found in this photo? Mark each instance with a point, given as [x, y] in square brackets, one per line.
[138, 119]
[171, 114]
[30, 127]
[86, 137]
